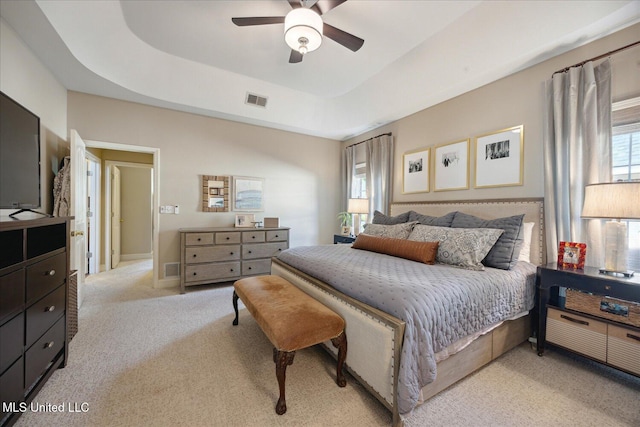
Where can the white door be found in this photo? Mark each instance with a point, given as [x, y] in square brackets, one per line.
[115, 217]
[78, 210]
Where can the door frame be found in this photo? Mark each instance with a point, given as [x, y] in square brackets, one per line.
[94, 245]
[109, 164]
[155, 218]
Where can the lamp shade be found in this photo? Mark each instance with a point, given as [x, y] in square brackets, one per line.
[612, 200]
[358, 206]
[303, 30]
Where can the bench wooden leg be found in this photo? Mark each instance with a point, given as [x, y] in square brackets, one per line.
[235, 307]
[340, 342]
[282, 359]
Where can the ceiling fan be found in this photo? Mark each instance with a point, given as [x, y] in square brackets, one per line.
[304, 28]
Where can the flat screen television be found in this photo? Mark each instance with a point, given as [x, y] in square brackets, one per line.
[19, 156]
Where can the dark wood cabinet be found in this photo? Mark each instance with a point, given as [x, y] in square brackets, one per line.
[34, 301]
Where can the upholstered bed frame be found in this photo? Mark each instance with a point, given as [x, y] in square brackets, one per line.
[375, 338]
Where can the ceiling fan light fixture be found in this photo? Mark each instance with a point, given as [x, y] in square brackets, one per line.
[303, 30]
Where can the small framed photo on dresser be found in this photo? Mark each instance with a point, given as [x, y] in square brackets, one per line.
[572, 255]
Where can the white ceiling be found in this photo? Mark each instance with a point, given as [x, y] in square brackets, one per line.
[189, 56]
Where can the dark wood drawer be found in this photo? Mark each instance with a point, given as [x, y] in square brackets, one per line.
[43, 352]
[12, 291]
[11, 341]
[43, 314]
[45, 276]
[12, 384]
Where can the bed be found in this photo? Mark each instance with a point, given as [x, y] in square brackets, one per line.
[400, 360]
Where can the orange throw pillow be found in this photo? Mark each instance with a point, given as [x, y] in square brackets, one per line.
[424, 252]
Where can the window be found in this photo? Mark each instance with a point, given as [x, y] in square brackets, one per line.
[625, 159]
[359, 190]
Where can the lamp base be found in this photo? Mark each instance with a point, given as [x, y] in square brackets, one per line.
[626, 273]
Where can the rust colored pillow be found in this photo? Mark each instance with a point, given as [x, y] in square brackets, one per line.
[424, 252]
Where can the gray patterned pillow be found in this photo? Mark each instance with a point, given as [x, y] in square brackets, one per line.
[396, 231]
[438, 221]
[462, 247]
[503, 255]
[380, 218]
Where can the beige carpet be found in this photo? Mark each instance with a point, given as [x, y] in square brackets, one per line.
[146, 357]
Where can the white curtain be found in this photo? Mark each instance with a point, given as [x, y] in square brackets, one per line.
[348, 171]
[379, 154]
[577, 152]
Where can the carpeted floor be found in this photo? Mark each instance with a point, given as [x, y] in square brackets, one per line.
[152, 357]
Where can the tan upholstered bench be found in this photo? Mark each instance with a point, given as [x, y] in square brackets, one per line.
[292, 320]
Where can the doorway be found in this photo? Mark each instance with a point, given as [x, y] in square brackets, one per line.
[153, 217]
[94, 194]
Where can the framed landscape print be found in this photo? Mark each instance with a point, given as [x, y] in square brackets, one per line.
[572, 255]
[415, 171]
[451, 166]
[500, 158]
[248, 194]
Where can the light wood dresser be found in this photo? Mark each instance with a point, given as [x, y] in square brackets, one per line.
[222, 254]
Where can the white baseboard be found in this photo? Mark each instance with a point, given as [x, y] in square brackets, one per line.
[173, 282]
[133, 257]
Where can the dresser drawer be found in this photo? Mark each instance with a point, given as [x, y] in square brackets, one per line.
[277, 235]
[259, 266]
[212, 253]
[624, 348]
[217, 271]
[266, 250]
[12, 384]
[577, 333]
[253, 236]
[195, 239]
[42, 352]
[12, 291]
[45, 276]
[11, 341]
[227, 237]
[42, 314]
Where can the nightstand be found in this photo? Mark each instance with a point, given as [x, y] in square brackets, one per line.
[602, 339]
[338, 238]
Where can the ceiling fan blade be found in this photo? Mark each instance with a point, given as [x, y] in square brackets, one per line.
[345, 39]
[323, 6]
[295, 4]
[295, 57]
[265, 20]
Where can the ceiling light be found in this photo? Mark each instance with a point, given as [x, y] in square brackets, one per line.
[303, 30]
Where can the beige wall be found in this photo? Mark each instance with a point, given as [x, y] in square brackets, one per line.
[136, 211]
[301, 173]
[27, 81]
[514, 100]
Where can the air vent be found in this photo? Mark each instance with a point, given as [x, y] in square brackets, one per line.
[172, 269]
[253, 99]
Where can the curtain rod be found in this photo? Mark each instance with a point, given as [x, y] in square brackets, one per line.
[373, 137]
[595, 58]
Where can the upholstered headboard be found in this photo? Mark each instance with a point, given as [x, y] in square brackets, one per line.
[532, 209]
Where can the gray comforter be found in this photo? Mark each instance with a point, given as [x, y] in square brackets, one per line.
[440, 304]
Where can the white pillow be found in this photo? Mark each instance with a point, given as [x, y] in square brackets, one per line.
[525, 251]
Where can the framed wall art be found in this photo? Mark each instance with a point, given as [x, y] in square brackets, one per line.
[572, 255]
[415, 171]
[500, 158]
[451, 166]
[248, 194]
[215, 193]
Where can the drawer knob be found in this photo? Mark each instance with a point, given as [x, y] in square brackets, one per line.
[607, 287]
[250, 268]
[199, 239]
[230, 253]
[253, 237]
[228, 238]
[51, 272]
[50, 308]
[249, 251]
[279, 249]
[195, 273]
[277, 236]
[48, 345]
[231, 269]
[194, 255]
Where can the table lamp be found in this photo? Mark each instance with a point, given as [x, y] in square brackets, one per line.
[613, 201]
[357, 207]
